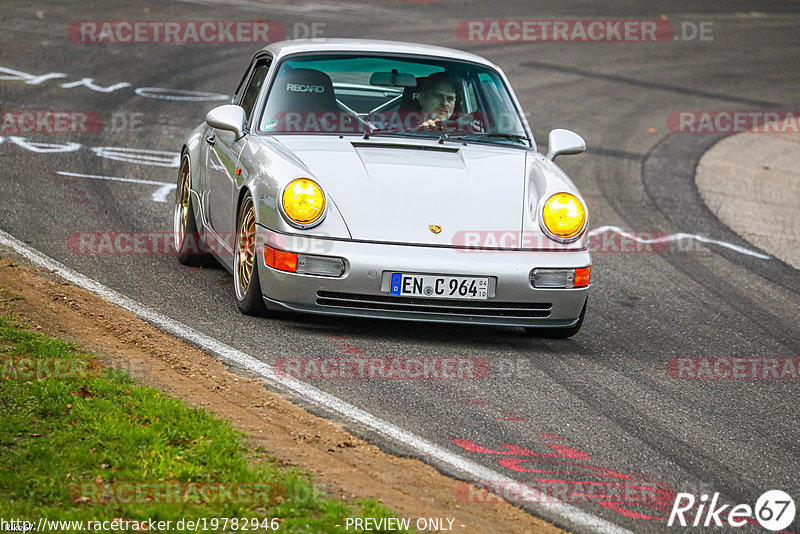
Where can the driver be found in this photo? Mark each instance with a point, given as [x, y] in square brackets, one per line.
[437, 99]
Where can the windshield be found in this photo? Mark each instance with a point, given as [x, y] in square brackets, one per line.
[390, 95]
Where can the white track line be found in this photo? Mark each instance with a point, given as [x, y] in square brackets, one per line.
[112, 178]
[163, 192]
[160, 195]
[470, 470]
[678, 237]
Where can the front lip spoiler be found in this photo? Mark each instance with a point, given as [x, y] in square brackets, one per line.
[426, 317]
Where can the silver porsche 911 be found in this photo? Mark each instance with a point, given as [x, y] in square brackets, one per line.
[387, 180]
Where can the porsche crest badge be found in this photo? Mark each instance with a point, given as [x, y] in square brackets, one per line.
[435, 228]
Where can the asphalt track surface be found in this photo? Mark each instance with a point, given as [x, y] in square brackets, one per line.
[598, 408]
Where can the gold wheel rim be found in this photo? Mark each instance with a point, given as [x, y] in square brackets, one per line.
[246, 247]
[183, 201]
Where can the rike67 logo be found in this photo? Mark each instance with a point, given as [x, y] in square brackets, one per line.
[774, 510]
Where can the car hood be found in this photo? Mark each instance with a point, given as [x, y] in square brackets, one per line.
[416, 191]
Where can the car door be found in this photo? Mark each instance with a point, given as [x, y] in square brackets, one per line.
[223, 157]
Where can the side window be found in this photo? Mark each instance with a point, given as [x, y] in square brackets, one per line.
[247, 98]
[237, 96]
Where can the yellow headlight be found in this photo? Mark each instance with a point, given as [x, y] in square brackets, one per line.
[564, 215]
[303, 201]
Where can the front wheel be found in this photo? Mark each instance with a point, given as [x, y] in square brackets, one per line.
[245, 262]
[560, 332]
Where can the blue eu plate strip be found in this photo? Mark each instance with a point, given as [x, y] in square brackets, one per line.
[397, 282]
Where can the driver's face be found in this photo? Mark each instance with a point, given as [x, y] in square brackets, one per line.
[438, 102]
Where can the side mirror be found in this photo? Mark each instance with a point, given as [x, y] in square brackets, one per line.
[228, 117]
[564, 142]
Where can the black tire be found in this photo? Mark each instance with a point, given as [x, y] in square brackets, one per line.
[246, 283]
[188, 240]
[559, 332]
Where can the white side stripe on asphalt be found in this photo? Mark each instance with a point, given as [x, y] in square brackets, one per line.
[678, 237]
[111, 178]
[467, 468]
[162, 193]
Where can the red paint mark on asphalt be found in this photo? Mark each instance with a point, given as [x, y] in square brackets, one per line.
[509, 416]
[562, 451]
[348, 349]
[569, 452]
[567, 470]
[471, 446]
[588, 469]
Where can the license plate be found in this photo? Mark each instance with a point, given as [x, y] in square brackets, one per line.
[442, 287]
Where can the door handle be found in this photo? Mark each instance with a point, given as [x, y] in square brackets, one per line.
[211, 140]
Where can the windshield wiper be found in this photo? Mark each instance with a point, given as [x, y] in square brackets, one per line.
[414, 132]
[509, 136]
[445, 135]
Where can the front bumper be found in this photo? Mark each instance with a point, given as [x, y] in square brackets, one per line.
[362, 291]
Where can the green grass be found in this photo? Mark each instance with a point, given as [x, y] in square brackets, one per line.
[65, 441]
